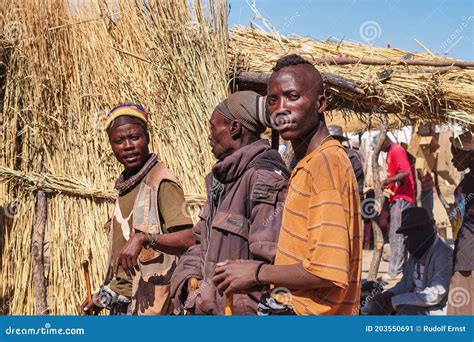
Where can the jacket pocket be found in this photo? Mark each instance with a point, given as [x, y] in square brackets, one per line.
[233, 223]
[228, 238]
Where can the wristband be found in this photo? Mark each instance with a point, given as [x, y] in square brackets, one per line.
[151, 241]
[257, 271]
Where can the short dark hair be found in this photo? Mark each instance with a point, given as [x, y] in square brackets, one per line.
[289, 60]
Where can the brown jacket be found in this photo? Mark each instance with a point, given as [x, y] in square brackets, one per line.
[240, 220]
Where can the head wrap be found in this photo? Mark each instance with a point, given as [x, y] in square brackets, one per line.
[247, 107]
[136, 112]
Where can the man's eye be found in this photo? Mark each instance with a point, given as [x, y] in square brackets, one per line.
[271, 101]
[119, 141]
[134, 137]
[294, 97]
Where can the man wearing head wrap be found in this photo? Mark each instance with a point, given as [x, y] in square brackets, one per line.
[149, 227]
[241, 218]
[423, 289]
[462, 219]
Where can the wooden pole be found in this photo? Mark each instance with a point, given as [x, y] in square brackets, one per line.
[442, 231]
[87, 278]
[37, 252]
[373, 61]
[275, 139]
[379, 199]
[328, 78]
[440, 194]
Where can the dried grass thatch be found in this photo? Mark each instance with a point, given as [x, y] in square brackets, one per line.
[63, 64]
[410, 91]
[359, 123]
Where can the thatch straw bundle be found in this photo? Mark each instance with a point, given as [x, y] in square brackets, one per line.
[63, 64]
[410, 91]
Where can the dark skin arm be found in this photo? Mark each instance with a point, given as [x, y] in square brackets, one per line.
[239, 276]
[175, 243]
[399, 177]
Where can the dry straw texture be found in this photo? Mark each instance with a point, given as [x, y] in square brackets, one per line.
[422, 92]
[63, 63]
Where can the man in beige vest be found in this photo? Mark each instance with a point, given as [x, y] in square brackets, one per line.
[150, 227]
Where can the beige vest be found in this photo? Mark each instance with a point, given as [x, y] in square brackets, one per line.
[150, 286]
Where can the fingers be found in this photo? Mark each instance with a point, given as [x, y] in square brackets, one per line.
[223, 266]
[86, 307]
[224, 286]
[222, 263]
[128, 261]
[132, 264]
[134, 269]
[219, 278]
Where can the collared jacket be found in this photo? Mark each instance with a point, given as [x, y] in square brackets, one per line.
[240, 220]
[438, 269]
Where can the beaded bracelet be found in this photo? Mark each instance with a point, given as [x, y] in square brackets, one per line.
[151, 241]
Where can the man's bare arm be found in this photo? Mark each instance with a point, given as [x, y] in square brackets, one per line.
[399, 177]
[291, 276]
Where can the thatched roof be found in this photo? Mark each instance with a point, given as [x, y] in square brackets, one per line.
[365, 79]
[62, 66]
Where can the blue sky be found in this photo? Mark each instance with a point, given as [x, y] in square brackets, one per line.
[443, 26]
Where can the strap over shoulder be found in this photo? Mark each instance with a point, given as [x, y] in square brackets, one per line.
[159, 173]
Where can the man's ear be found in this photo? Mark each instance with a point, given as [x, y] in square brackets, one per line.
[235, 128]
[321, 104]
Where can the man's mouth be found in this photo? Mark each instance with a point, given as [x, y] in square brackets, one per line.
[132, 157]
[282, 121]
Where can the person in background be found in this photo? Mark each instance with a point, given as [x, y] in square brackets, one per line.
[355, 145]
[423, 290]
[462, 281]
[338, 134]
[427, 193]
[401, 184]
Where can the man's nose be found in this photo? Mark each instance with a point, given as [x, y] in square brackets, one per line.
[128, 144]
[279, 108]
[279, 105]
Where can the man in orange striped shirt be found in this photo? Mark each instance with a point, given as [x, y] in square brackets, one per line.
[319, 248]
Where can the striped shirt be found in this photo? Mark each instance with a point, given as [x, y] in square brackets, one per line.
[321, 228]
